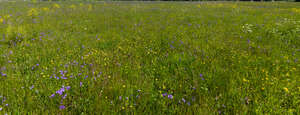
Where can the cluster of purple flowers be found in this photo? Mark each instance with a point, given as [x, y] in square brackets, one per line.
[2, 101]
[61, 92]
[184, 101]
[32, 68]
[62, 73]
[170, 96]
[201, 76]
[3, 74]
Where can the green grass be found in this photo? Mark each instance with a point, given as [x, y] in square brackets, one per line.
[212, 57]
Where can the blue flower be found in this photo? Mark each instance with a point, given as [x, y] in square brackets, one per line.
[52, 95]
[64, 97]
[61, 91]
[31, 87]
[183, 100]
[170, 96]
[164, 94]
[62, 107]
[68, 87]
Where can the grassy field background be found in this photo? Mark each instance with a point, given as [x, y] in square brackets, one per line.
[149, 58]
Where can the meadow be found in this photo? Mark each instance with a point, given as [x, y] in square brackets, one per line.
[149, 58]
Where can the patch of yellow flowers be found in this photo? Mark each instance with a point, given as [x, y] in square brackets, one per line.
[33, 12]
[56, 6]
[73, 6]
[297, 10]
[45, 9]
[1, 20]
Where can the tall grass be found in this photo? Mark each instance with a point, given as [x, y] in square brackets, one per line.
[149, 58]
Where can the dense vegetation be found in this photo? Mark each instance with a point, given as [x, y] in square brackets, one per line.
[149, 57]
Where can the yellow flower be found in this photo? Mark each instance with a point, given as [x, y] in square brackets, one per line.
[245, 80]
[45, 9]
[1, 20]
[286, 89]
[32, 12]
[123, 107]
[287, 74]
[56, 6]
[124, 86]
[7, 16]
[297, 10]
[73, 6]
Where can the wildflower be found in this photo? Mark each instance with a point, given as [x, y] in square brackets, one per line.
[52, 95]
[296, 10]
[120, 97]
[3, 74]
[31, 87]
[164, 94]
[61, 91]
[64, 97]
[188, 103]
[73, 6]
[1, 20]
[56, 6]
[183, 100]
[7, 16]
[201, 76]
[32, 12]
[124, 86]
[46, 9]
[68, 87]
[80, 84]
[170, 96]
[286, 89]
[62, 107]
[0, 108]
[62, 77]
